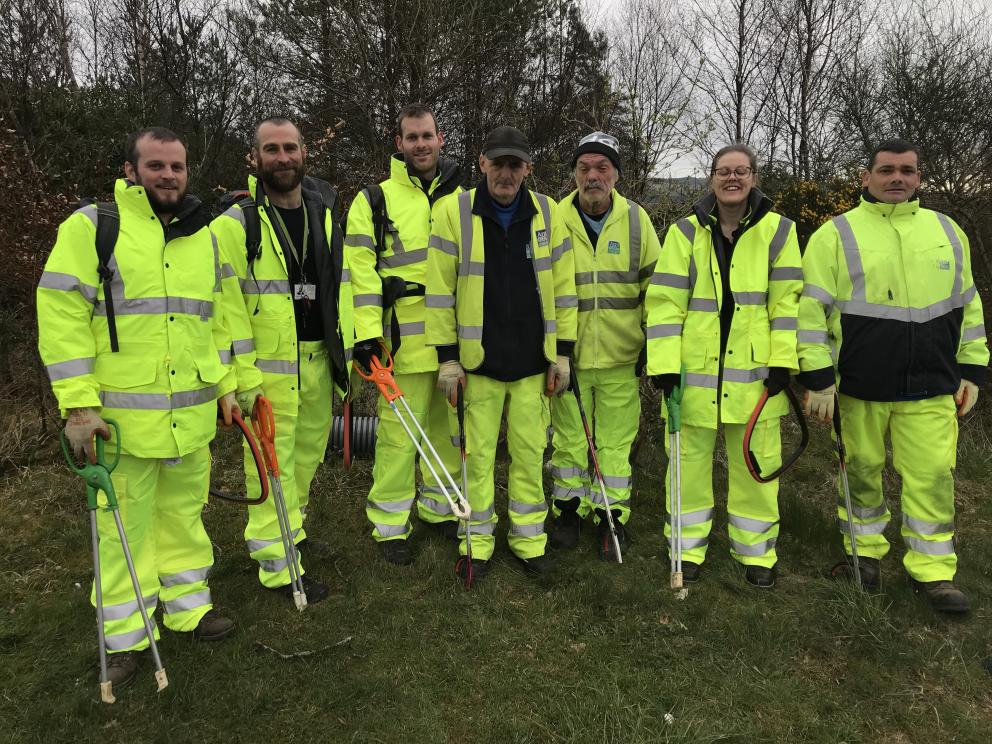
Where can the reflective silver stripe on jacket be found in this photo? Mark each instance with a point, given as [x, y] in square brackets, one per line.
[445, 246]
[159, 306]
[359, 241]
[465, 225]
[68, 369]
[609, 303]
[663, 279]
[567, 301]
[369, 299]
[704, 305]
[910, 314]
[634, 235]
[439, 300]
[278, 366]
[345, 276]
[224, 355]
[704, 381]
[812, 337]
[974, 333]
[819, 294]
[687, 229]
[67, 283]
[751, 298]
[250, 286]
[744, 375]
[406, 329]
[403, 259]
[785, 272]
[243, 346]
[778, 241]
[958, 249]
[227, 271]
[470, 332]
[784, 324]
[158, 401]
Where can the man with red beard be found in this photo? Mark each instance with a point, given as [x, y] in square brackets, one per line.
[281, 303]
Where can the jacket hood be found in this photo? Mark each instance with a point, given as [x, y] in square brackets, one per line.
[758, 205]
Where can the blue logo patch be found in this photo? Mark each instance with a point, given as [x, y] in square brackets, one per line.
[613, 247]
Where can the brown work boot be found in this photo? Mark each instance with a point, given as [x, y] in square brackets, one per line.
[122, 668]
[213, 627]
[943, 596]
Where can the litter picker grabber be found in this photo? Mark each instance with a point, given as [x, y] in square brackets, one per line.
[749, 457]
[259, 465]
[346, 433]
[842, 456]
[460, 408]
[97, 479]
[263, 422]
[673, 402]
[574, 385]
[382, 376]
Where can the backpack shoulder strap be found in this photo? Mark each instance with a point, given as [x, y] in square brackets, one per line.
[377, 202]
[108, 227]
[253, 227]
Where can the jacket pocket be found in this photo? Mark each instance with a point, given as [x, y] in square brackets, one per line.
[267, 336]
[760, 349]
[119, 371]
[209, 370]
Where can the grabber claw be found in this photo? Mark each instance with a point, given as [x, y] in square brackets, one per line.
[381, 375]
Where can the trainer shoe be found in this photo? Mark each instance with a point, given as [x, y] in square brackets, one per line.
[605, 539]
[396, 552]
[213, 627]
[480, 569]
[565, 530]
[870, 569]
[759, 576]
[316, 591]
[122, 667]
[943, 596]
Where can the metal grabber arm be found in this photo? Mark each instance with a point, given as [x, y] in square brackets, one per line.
[381, 375]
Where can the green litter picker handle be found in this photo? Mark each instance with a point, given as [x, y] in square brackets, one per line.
[673, 402]
[97, 476]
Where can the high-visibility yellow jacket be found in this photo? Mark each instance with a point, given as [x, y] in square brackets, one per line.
[262, 312]
[889, 300]
[683, 308]
[610, 281]
[456, 267]
[404, 255]
[174, 349]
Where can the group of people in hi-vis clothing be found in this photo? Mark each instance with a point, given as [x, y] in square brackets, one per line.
[497, 302]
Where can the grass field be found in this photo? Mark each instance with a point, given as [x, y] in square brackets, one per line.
[602, 654]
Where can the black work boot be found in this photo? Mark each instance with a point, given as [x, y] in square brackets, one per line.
[213, 627]
[396, 552]
[316, 591]
[479, 567]
[690, 572]
[565, 530]
[539, 565]
[605, 539]
[759, 576]
[122, 667]
[870, 569]
[943, 596]
[446, 529]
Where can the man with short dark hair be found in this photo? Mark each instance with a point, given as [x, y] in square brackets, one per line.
[615, 248]
[144, 346]
[891, 328]
[389, 225]
[282, 298]
[501, 314]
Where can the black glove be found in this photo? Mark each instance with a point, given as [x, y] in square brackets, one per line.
[777, 380]
[665, 383]
[364, 351]
[642, 361]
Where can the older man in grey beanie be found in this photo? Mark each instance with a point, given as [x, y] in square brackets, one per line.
[615, 248]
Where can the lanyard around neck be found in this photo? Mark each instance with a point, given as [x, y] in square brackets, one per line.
[282, 234]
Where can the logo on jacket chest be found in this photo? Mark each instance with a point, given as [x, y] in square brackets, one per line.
[943, 264]
[542, 237]
[613, 247]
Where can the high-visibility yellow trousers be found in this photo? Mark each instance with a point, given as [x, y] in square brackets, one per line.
[527, 417]
[394, 470]
[301, 441]
[752, 507]
[612, 401]
[924, 436]
[160, 505]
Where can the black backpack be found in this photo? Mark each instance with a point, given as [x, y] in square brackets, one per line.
[108, 227]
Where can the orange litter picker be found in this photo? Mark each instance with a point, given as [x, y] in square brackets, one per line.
[382, 376]
[263, 422]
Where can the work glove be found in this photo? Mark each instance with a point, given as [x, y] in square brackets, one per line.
[666, 383]
[558, 377]
[642, 362]
[966, 397]
[246, 400]
[364, 351]
[777, 380]
[449, 376]
[228, 404]
[80, 429]
[820, 403]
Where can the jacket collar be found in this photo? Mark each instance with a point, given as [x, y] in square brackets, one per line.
[483, 204]
[447, 172]
[189, 217]
[572, 216]
[758, 205]
[873, 205]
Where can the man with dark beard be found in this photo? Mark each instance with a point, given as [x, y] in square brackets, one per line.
[143, 344]
[281, 302]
